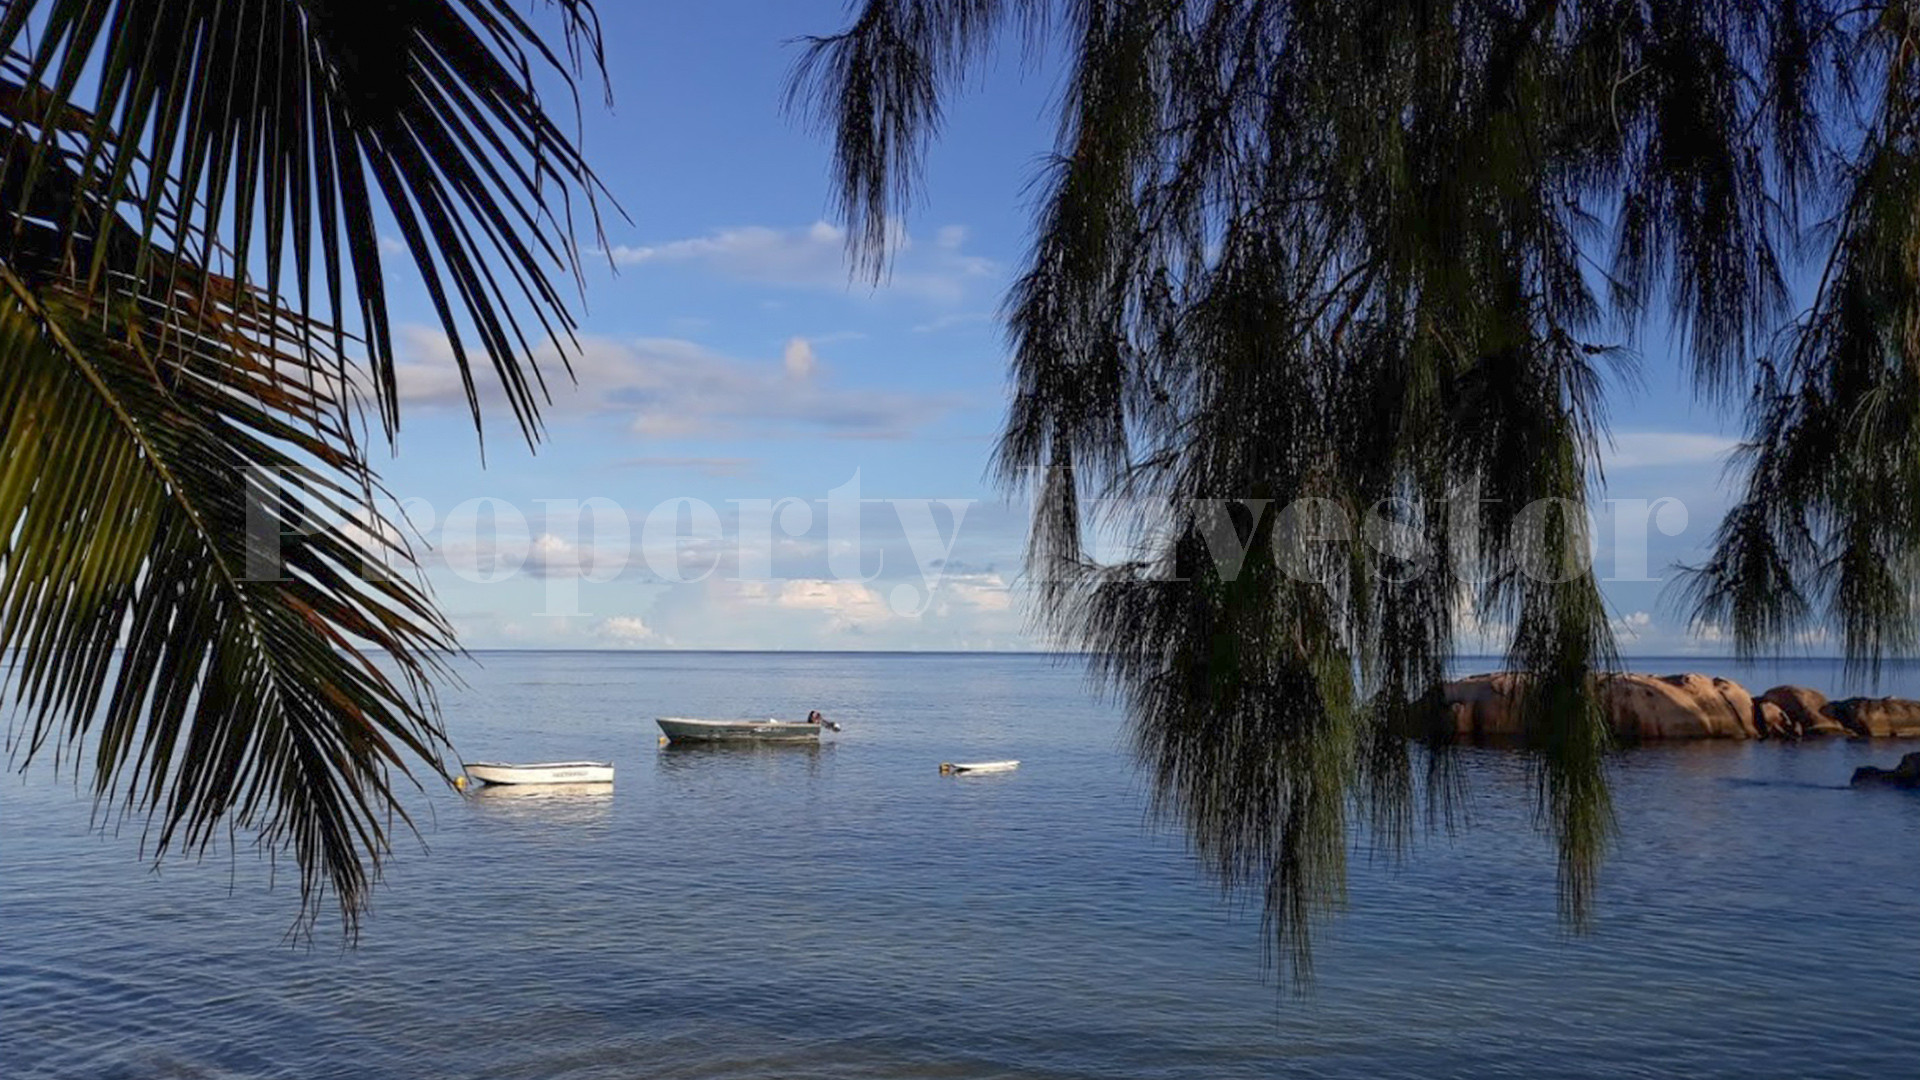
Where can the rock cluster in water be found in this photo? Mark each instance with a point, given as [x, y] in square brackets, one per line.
[1904, 775]
[1690, 706]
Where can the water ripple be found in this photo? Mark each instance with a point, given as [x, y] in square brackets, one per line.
[846, 912]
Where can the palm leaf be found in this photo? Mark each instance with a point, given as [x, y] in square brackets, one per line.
[148, 475]
[198, 603]
[281, 130]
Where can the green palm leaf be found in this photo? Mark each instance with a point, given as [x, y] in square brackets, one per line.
[138, 470]
[197, 598]
[281, 127]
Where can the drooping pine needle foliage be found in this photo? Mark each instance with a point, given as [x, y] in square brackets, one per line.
[192, 294]
[1302, 270]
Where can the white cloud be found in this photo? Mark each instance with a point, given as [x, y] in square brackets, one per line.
[799, 358]
[981, 592]
[524, 629]
[823, 613]
[550, 552]
[674, 389]
[815, 257]
[848, 605]
[669, 425]
[754, 252]
[1641, 449]
[549, 555]
[1633, 627]
[627, 630]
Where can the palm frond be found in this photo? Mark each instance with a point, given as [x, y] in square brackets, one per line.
[197, 602]
[262, 142]
[134, 493]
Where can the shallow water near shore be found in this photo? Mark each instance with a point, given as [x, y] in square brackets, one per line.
[846, 911]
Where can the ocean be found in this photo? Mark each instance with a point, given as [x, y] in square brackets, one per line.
[847, 911]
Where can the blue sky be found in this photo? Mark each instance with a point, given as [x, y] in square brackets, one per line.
[728, 357]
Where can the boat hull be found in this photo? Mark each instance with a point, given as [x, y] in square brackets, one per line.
[548, 772]
[686, 729]
[971, 768]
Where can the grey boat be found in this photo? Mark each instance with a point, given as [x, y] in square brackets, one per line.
[685, 729]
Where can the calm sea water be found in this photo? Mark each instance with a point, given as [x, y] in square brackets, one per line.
[847, 912]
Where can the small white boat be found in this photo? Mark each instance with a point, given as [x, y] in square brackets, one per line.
[545, 772]
[960, 767]
[686, 729]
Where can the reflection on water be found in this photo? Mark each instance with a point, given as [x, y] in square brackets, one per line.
[1744, 781]
[841, 910]
[573, 804]
[744, 746]
[691, 760]
[554, 793]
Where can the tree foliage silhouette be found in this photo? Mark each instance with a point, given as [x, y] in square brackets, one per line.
[1380, 253]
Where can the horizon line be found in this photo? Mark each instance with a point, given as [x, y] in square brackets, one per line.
[1777, 658]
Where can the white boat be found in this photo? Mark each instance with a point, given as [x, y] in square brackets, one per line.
[687, 729]
[545, 772]
[958, 767]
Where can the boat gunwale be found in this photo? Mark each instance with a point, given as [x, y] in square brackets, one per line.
[536, 765]
[702, 722]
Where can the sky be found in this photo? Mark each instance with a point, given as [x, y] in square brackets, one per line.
[729, 359]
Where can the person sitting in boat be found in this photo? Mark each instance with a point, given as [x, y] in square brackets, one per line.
[814, 717]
